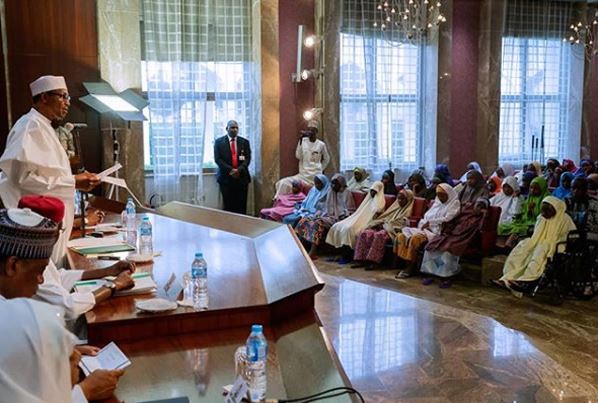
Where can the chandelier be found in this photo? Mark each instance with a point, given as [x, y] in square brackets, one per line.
[584, 32]
[409, 19]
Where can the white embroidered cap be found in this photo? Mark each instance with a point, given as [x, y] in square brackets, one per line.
[47, 83]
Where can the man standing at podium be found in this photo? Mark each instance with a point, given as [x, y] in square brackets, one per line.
[233, 155]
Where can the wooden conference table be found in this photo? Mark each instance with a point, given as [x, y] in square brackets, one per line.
[257, 273]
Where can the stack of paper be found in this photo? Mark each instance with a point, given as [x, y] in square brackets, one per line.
[144, 284]
[110, 357]
[92, 246]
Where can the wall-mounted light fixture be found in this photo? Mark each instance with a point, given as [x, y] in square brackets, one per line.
[312, 114]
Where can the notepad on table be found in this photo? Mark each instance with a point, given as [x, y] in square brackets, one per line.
[110, 357]
[144, 284]
[94, 246]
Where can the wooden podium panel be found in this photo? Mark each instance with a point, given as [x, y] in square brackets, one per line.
[257, 273]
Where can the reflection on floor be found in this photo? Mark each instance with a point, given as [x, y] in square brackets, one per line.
[396, 348]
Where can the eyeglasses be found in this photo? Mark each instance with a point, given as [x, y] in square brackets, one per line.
[65, 97]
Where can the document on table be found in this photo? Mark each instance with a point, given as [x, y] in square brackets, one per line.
[110, 357]
[144, 284]
[107, 172]
[120, 182]
[92, 246]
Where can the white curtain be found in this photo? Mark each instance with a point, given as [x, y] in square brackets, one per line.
[200, 74]
[541, 83]
[381, 92]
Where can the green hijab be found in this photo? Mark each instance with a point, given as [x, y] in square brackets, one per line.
[535, 201]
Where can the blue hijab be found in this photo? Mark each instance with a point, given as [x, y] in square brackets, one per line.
[561, 192]
[315, 196]
[443, 173]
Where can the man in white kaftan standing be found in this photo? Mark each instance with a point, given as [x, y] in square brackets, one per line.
[34, 161]
[313, 159]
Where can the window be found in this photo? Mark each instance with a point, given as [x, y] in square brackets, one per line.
[214, 93]
[540, 111]
[380, 103]
[534, 99]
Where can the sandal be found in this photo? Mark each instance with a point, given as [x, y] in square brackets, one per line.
[427, 281]
[402, 274]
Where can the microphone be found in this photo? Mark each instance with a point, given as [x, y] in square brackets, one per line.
[70, 126]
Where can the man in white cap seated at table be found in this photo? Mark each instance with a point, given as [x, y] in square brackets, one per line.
[38, 358]
[34, 161]
[57, 285]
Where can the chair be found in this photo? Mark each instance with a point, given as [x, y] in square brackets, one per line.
[484, 244]
[420, 206]
[358, 197]
[388, 200]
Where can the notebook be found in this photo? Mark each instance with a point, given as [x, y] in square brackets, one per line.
[93, 246]
[109, 358]
[144, 284]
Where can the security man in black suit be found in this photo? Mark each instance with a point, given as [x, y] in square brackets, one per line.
[233, 155]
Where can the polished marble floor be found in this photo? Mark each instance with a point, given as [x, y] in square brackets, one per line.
[453, 345]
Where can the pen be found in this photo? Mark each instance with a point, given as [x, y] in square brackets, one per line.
[90, 282]
[107, 257]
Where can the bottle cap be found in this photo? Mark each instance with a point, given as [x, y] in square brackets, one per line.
[198, 255]
[130, 199]
[146, 218]
[257, 328]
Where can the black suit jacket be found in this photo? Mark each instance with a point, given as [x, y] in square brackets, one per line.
[224, 160]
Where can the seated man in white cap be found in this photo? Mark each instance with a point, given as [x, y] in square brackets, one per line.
[58, 283]
[34, 359]
[313, 159]
[34, 161]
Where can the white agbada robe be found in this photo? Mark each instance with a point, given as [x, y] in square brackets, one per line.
[34, 162]
[345, 231]
[34, 360]
[313, 160]
[56, 289]
[527, 261]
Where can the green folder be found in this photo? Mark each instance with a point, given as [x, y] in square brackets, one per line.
[97, 250]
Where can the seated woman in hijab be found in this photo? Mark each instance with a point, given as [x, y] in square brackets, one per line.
[564, 189]
[371, 241]
[493, 185]
[530, 210]
[441, 258]
[344, 233]
[552, 173]
[284, 204]
[417, 184]
[388, 179]
[442, 172]
[569, 166]
[586, 167]
[473, 189]
[509, 200]
[472, 166]
[527, 261]
[525, 182]
[582, 208]
[339, 204]
[360, 181]
[411, 240]
[313, 203]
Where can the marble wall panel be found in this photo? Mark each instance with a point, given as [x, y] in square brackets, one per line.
[119, 43]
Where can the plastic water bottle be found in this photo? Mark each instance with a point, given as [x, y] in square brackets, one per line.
[199, 279]
[257, 352]
[131, 223]
[146, 247]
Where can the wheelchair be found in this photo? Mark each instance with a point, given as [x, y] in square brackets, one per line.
[572, 271]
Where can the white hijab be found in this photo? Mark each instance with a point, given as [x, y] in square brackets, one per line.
[476, 167]
[345, 232]
[441, 212]
[34, 360]
[528, 260]
[509, 205]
